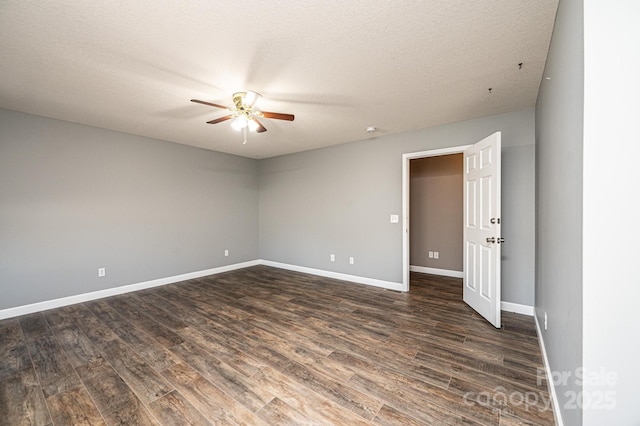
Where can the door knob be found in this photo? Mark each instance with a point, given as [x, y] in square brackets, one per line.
[491, 240]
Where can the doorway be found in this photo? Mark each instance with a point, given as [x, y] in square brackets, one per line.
[436, 212]
[406, 206]
[481, 223]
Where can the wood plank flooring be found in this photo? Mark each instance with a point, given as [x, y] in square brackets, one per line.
[264, 346]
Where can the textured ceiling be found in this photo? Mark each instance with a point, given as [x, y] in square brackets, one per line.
[339, 66]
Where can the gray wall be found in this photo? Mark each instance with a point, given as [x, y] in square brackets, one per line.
[75, 198]
[559, 169]
[338, 200]
[436, 211]
[587, 208]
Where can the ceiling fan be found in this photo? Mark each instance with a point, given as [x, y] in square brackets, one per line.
[245, 115]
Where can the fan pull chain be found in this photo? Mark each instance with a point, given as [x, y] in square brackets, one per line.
[245, 135]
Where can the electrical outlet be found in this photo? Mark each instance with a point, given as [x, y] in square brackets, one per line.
[436, 255]
[430, 255]
[332, 257]
[102, 272]
[545, 321]
[351, 261]
[394, 218]
[226, 253]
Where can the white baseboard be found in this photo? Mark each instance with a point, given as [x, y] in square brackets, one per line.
[436, 271]
[339, 276]
[85, 297]
[517, 308]
[547, 369]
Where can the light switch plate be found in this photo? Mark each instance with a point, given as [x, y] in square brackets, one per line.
[394, 218]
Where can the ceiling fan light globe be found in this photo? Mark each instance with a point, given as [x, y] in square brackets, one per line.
[239, 123]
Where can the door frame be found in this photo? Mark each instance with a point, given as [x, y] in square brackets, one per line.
[406, 182]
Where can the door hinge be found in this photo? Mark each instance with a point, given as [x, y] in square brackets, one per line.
[495, 220]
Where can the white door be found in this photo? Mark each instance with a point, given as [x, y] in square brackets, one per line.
[482, 238]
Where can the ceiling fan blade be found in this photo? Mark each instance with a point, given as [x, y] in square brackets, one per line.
[208, 103]
[218, 120]
[260, 128]
[278, 115]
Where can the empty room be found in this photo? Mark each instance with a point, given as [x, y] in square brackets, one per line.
[327, 213]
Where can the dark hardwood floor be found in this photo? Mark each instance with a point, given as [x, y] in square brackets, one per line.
[268, 346]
